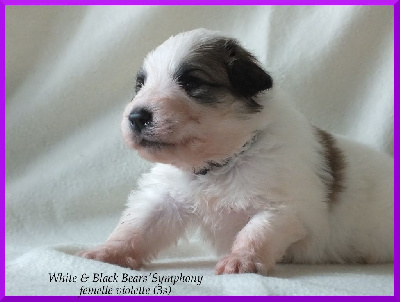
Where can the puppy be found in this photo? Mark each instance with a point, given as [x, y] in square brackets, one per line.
[235, 159]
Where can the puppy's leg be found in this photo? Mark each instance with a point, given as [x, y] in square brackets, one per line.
[152, 221]
[261, 243]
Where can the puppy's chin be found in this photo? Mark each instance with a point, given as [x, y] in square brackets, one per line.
[178, 154]
[155, 151]
[187, 154]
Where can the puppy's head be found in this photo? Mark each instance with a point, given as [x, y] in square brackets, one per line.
[195, 101]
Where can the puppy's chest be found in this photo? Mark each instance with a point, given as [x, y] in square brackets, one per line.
[216, 200]
[220, 215]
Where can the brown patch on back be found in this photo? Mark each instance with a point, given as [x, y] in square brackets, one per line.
[334, 165]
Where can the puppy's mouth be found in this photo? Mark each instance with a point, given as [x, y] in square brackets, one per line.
[154, 144]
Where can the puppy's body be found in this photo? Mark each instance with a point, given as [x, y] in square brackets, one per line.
[239, 161]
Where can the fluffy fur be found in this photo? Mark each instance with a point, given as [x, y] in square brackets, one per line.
[237, 160]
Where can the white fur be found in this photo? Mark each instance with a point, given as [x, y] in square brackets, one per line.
[268, 204]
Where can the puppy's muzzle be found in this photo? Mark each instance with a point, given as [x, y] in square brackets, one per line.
[140, 119]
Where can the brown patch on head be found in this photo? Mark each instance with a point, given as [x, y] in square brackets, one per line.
[219, 66]
[334, 167]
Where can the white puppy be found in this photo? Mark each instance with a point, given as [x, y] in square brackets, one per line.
[235, 159]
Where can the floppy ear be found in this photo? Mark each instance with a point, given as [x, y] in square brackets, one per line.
[245, 74]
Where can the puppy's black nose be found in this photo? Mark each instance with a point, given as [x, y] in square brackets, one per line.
[140, 118]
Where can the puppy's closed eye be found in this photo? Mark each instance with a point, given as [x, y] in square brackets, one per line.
[191, 83]
[140, 80]
[195, 87]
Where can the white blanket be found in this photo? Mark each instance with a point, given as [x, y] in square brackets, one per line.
[70, 72]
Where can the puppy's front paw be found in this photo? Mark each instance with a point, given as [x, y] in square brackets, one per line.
[239, 263]
[113, 254]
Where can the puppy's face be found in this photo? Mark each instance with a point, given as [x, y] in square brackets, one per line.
[195, 101]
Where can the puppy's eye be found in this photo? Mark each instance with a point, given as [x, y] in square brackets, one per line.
[139, 84]
[140, 80]
[190, 83]
[196, 87]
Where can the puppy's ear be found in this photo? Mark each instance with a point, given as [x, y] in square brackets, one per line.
[245, 74]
